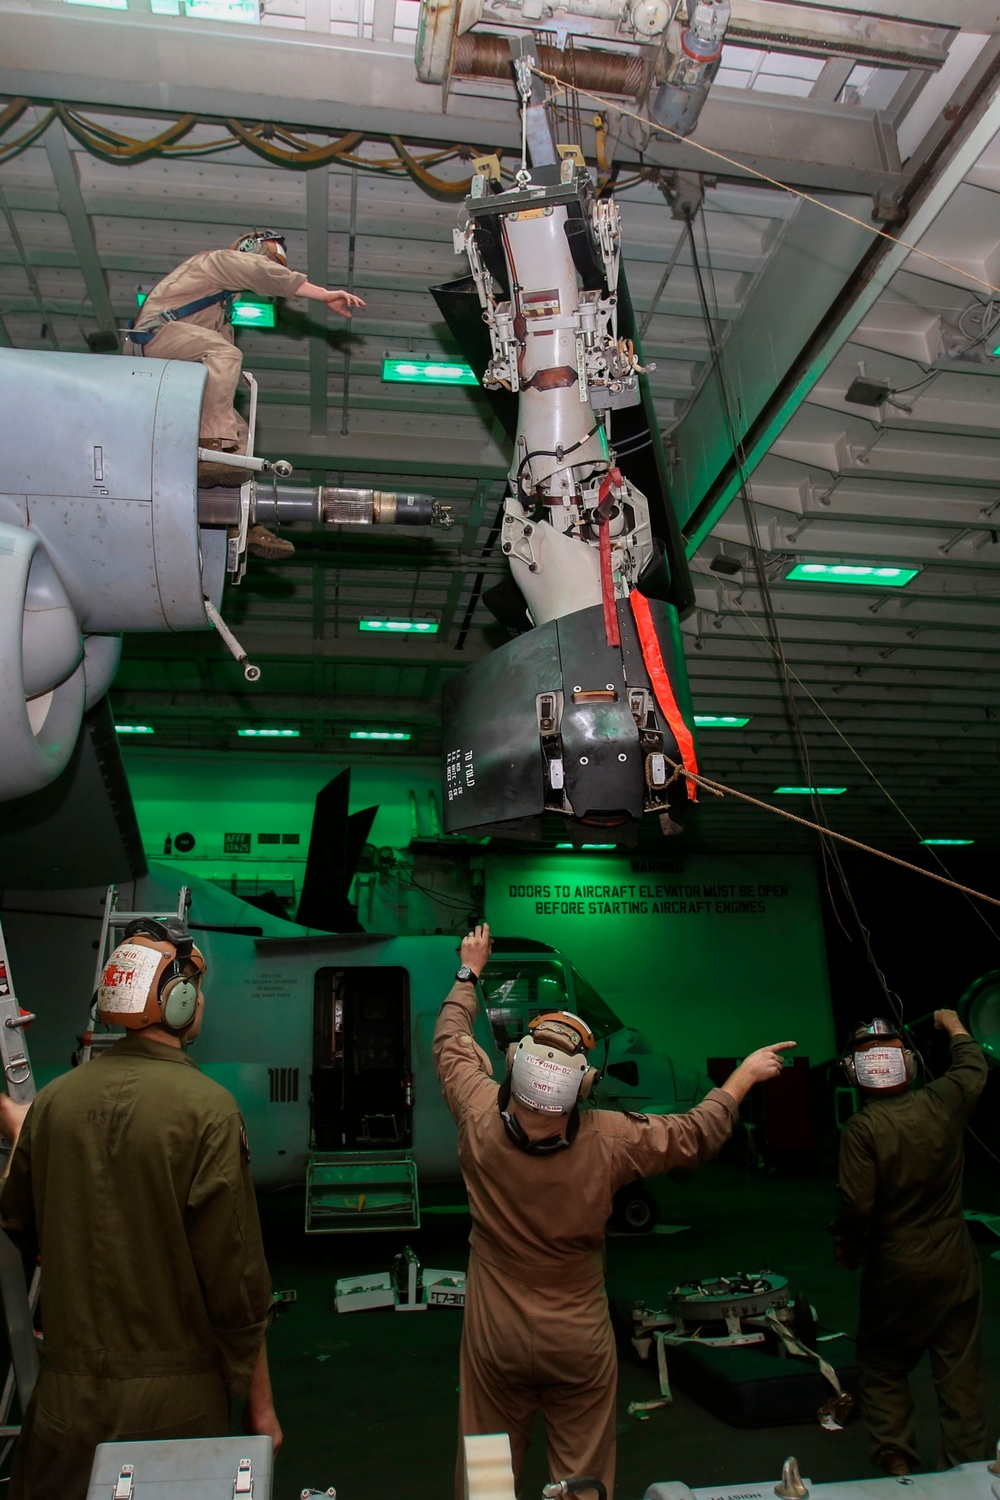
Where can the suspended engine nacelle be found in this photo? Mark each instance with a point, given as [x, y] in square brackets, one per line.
[103, 530]
[581, 715]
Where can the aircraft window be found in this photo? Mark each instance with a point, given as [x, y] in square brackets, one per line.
[518, 990]
[515, 992]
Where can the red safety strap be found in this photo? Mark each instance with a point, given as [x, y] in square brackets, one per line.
[660, 678]
[608, 587]
[612, 477]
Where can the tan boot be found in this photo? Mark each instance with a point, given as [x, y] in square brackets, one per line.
[264, 543]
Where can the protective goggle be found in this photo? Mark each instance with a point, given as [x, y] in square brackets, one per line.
[262, 236]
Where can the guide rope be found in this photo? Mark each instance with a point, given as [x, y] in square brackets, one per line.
[562, 86]
[719, 789]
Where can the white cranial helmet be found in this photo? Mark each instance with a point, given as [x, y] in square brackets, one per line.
[549, 1071]
[545, 1079]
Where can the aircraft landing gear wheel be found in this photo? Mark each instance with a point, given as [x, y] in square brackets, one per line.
[634, 1210]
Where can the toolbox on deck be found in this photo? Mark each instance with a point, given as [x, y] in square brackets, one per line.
[223, 1468]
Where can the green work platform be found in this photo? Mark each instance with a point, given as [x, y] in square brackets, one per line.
[359, 1191]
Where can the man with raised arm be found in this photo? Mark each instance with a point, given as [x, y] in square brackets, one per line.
[541, 1174]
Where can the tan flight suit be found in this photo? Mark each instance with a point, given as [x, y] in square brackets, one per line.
[131, 1173]
[921, 1289]
[536, 1332]
[207, 336]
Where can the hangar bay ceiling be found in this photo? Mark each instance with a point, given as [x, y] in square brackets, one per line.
[760, 321]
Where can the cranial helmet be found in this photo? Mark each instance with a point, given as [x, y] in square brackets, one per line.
[153, 978]
[877, 1058]
[263, 242]
[548, 1068]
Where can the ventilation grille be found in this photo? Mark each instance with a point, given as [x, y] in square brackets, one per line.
[284, 1085]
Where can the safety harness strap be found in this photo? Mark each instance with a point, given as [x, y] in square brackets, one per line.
[143, 336]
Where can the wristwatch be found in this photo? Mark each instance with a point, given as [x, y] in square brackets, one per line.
[465, 975]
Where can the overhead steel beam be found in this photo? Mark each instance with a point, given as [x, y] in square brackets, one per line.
[169, 64]
[884, 259]
[63, 165]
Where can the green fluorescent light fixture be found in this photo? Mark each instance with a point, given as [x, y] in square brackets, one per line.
[417, 370]
[721, 721]
[809, 791]
[247, 312]
[133, 729]
[587, 846]
[223, 10]
[251, 312]
[400, 627]
[104, 4]
[947, 841]
[268, 732]
[864, 573]
[380, 734]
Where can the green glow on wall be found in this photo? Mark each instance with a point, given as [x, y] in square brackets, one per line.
[418, 370]
[869, 574]
[133, 729]
[721, 721]
[400, 627]
[268, 732]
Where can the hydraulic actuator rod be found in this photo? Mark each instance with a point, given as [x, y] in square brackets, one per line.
[324, 505]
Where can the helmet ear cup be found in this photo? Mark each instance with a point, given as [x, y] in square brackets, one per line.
[911, 1064]
[179, 1002]
[847, 1063]
[589, 1083]
[511, 1054]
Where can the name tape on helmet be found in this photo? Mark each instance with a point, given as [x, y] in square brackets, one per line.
[127, 979]
[545, 1083]
[881, 1067]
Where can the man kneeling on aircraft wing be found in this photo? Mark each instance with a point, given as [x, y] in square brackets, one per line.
[540, 1177]
[131, 1174]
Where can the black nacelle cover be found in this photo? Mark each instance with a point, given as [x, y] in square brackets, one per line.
[494, 765]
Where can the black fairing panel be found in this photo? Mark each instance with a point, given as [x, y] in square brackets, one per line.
[495, 777]
[458, 303]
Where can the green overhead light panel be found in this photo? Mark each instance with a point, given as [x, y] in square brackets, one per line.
[587, 846]
[268, 732]
[223, 10]
[415, 369]
[947, 841]
[399, 627]
[133, 729]
[721, 721]
[251, 312]
[103, 4]
[809, 791]
[872, 575]
[380, 734]
[246, 312]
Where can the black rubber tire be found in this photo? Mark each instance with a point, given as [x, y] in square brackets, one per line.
[634, 1210]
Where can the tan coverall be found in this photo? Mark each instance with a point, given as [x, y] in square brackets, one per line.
[900, 1184]
[536, 1332]
[207, 336]
[131, 1172]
